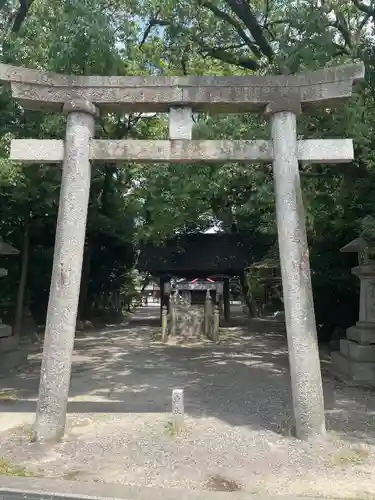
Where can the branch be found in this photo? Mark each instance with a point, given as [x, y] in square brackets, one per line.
[154, 21]
[268, 10]
[340, 50]
[279, 21]
[342, 27]
[21, 14]
[243, 11]
[233, 22]
[122, 128]
[314, 174]
[367, 9]
[223, 55]
[364, 21]
[217, 53]
[184, 66]
[133, 119]
[230, 47]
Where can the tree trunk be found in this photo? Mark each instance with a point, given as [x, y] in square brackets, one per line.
[83, 306]
[146, 281]
[246, 292]
[23, 279]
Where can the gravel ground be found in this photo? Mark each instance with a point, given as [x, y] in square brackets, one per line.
[238, 408]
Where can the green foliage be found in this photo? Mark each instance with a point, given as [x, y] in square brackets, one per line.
[131, 203]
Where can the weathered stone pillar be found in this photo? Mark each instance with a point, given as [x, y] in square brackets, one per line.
[216, 324]
[226, 299]
[66, 273]
[220, 297]
[304, 361]
[165, 288]
[161, 285]
[164, 324]
[207, 315]
[167, 292]
[173, 314]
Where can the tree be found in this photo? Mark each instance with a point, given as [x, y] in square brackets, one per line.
[188, 37]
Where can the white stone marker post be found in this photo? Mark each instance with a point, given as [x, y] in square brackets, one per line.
[304, 361]
[178, 410]
[66, 273]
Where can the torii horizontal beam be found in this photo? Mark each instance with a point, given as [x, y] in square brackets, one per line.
[233, 94]
[183, 151]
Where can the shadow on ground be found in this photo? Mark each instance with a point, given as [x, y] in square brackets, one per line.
[244, 381]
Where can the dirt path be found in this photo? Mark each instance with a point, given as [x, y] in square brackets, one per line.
[238, 405]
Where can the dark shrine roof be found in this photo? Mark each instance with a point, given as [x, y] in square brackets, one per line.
[197, 255]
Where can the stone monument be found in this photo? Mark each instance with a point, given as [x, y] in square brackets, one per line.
[10, 354]
[188, 319]
[355, 362]
[5, 249]
[5, 330]
[280, 98]
[189, 322]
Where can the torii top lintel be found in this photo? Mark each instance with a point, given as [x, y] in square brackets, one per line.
[48, 91]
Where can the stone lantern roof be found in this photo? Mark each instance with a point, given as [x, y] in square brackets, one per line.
[6, 249]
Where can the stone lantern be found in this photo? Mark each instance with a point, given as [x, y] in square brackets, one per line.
[5, 249]
[355, 362]
[11, 355]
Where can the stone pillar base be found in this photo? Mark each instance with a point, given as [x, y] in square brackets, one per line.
[355, 363]
[11, 355]
[5, 331]
[363, 333]
[355, 373]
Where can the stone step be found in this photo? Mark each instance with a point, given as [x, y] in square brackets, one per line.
[357, 352]
[362, 334]
[353, 372]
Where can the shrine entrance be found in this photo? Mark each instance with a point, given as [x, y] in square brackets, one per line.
[220, 256]
[280, 98]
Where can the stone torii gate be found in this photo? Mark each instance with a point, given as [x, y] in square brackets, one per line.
[281, 98]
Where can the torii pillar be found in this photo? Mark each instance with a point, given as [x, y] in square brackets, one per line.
[304, 362]
[281, 97]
